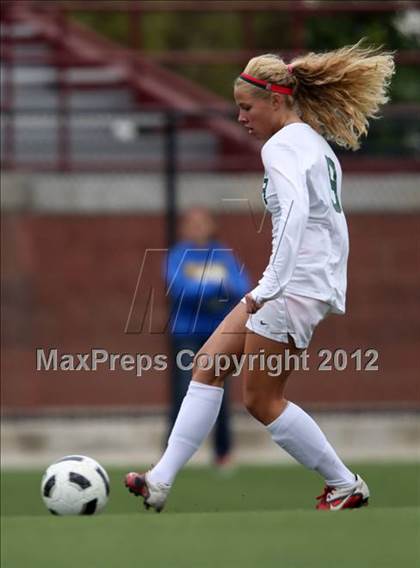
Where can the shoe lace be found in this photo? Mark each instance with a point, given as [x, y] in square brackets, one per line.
[324, 494]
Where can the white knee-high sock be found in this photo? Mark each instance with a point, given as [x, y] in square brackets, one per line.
[196, 418]
[301, 437]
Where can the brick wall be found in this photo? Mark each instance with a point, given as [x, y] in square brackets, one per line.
[68, 282]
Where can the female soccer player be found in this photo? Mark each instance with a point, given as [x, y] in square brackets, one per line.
[294, 109]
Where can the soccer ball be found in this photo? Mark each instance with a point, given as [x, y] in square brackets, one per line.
[75, 485]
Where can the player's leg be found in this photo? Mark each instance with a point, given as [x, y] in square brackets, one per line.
[181, 375]
[263, 393]
[178, 382]
[222, 432]
[198, 412]
[293, 429]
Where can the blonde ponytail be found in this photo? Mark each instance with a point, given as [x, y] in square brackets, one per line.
[336, 92]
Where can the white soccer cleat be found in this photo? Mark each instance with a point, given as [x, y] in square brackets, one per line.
[154, 494]
[349, 497]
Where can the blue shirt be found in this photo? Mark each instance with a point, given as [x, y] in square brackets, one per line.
[204, 284]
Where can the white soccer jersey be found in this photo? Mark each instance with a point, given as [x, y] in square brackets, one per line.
[302, 191]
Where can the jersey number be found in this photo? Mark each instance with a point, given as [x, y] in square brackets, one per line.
[332, 174]
[264, 189]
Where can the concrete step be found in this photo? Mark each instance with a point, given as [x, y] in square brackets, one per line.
[49, 75]
[115, 99]
[37, 138]
[30, 49]
[18, 30]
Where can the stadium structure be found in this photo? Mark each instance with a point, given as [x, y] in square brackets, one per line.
[102, 147]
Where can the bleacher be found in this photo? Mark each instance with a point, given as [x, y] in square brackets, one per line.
[74, 101]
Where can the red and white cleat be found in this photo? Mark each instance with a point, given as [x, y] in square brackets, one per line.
[154, 494]
[338, 498]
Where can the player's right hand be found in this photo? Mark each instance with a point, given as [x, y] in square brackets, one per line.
[251, 305]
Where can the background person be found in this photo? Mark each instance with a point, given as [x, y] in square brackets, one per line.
[205, 282]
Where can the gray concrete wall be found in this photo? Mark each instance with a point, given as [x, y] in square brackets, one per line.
[138, 440]
[127, 193]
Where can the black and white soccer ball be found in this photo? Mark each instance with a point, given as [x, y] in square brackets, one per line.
[75, 485]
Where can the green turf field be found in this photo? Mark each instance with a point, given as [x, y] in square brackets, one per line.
[255, 517]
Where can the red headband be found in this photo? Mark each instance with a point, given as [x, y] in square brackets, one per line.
[266, 85]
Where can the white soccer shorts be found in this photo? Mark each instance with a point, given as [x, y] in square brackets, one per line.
[289, 314]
